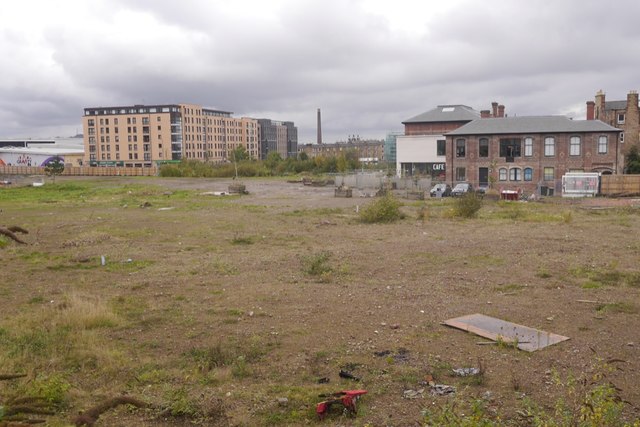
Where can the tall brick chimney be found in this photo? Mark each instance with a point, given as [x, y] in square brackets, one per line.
[494, 108]
[600, 114]
[591, 110]
[500, 110]
[485, 114]
[319, 141]
[632, 119]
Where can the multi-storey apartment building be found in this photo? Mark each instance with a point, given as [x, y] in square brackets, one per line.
[281, 137]
[623, 114]
[144, 135]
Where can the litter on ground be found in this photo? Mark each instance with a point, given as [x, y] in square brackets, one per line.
[525, 338]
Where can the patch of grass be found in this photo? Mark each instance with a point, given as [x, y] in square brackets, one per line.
[618, 307]
[543, 273]
[385, 209]
[50, 388]
[317, 265]
[242, 240]
[224, 268]
[599, 276]
[509, 288]
[37, 300]
[128, 265]
[129, 307]
[467, 206]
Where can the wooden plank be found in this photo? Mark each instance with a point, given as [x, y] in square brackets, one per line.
[528, 339]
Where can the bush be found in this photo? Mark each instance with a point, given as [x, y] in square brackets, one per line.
[467, 206]
[385, 209]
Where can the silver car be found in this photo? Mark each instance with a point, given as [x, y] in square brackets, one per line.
[461, 189]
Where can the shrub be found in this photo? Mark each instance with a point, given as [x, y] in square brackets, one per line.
[318, 264]
[467, 206]
[383, 210]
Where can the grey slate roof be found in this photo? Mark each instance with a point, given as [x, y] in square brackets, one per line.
[615, 105]
[446, 113]
[531, 124]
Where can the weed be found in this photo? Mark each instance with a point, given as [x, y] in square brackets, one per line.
[567, 216]
[318, 264]
[617, 307]
[240, 368]
[242, 240]
[385, 209]
[543, 273]
[467, 206]
[53, 389]
[510, 288]
[37, 300]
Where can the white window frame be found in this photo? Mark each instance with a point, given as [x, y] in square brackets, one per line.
[515, 174]
[549, 146]
[575, 146]
[620, 118]
[502, 174]
[544, 174]
[528, 146]
[603, 144]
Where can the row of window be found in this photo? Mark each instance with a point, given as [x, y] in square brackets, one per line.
[512, 174]
[512, 147]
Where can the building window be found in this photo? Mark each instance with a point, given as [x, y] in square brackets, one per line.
[515, 174]
[603, 144]
[528, 174]
[115, 121]
[91, 122]
[621, 136]
[461, 174]
[528, 146]
[92, 140]
[117, 147]
[549, 146]
[483, 147]
[441, 147]
[620, 118]
[548, 174]
[502, 174]
[510, 147]
[574, 146]
[461, 148]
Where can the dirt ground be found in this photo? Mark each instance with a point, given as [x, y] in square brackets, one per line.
[198, 275]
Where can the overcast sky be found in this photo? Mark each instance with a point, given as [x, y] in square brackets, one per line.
[368, 64]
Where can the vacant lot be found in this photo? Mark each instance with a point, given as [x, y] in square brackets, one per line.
[228, 310]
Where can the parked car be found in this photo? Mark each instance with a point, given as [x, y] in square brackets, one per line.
[443, 189]
[461, 189]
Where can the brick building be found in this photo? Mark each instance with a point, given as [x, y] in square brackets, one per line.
[623, 114]
[367, 150]
[142, 135]
[530, 152]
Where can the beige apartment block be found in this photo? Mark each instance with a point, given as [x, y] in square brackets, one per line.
[147, 135]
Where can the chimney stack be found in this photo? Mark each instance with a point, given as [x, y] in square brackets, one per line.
[494, 107]
[600, 101]
[319, 128]
[500, 110]
[632, 120]
[485, 114]
[591, 110]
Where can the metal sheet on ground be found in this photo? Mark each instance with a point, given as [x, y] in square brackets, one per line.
[527, 339]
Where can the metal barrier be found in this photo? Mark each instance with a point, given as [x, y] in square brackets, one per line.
[81, 171]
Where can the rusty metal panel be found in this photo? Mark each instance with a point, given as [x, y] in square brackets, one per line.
[527, 339]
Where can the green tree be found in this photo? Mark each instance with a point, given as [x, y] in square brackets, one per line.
[633, 160]
[239, 154]
[272, 161]
[54, 167]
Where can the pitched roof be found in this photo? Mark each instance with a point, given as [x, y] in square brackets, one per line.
[531, 124]
[446, 113]
[615, 105]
